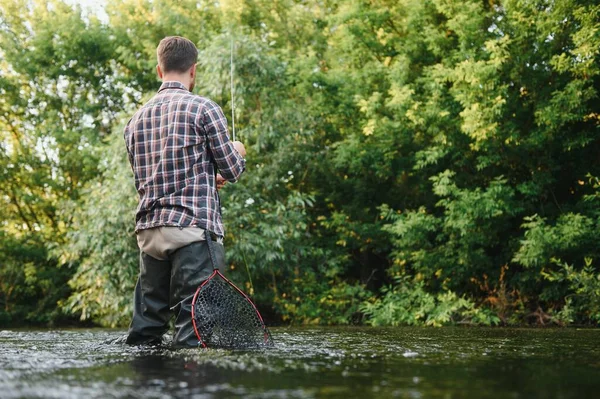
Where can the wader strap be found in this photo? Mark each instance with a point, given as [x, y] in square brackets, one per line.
[210, 236]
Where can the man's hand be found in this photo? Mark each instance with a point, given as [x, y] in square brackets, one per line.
[239, 147]
[220, 181]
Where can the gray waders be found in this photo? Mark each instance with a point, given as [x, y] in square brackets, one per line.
[167, 287]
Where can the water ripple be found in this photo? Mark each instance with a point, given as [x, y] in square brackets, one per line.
[307, 362]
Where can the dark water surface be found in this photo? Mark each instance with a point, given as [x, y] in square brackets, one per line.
[310, 362]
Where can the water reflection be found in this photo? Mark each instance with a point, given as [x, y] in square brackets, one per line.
[181, 377]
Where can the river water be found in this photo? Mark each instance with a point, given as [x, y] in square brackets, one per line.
[309, 363]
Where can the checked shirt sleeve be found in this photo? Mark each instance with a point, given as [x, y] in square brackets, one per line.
[228, 160]
[126, 135]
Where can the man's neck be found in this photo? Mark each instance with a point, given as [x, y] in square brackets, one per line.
[176, 78]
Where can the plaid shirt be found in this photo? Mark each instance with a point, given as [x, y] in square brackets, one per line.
[175, 142]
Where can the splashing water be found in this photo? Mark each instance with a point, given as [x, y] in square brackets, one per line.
[309, 362]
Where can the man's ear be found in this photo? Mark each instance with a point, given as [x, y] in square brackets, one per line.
[193, 72]
[159, 72]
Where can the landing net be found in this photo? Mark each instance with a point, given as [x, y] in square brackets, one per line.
[224, 317]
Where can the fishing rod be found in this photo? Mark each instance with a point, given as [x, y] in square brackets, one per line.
[232, 89]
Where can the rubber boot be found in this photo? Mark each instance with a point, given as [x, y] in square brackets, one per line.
[191, 265]
[151, 302]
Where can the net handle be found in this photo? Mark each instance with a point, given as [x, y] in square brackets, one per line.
[208, 235]
[209, 241]
[211, 253]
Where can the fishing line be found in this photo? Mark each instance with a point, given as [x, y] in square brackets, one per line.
[232, 89]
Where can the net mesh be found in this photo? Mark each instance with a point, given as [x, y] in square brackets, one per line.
[225, 318]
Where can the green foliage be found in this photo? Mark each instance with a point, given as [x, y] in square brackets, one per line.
[559, 259]
[30, 283]
[582, 302]
[463, 241]
[440, 151]
[570, 236]
[101, 245]
[59, 93]
[314, 298]
[408, 303]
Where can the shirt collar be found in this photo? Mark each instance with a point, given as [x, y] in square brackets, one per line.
[172, 85]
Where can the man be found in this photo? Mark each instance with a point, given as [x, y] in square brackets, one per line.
[175, 143]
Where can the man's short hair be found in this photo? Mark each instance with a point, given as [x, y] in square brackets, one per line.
[176, 54]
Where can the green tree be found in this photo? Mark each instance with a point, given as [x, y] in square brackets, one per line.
[442, 151]
[60, 94]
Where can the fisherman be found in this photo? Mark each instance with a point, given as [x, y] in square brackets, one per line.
[176, 142]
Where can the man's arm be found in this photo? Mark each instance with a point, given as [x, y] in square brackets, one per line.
[242, 151]
[126, 134]
[229, 156]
